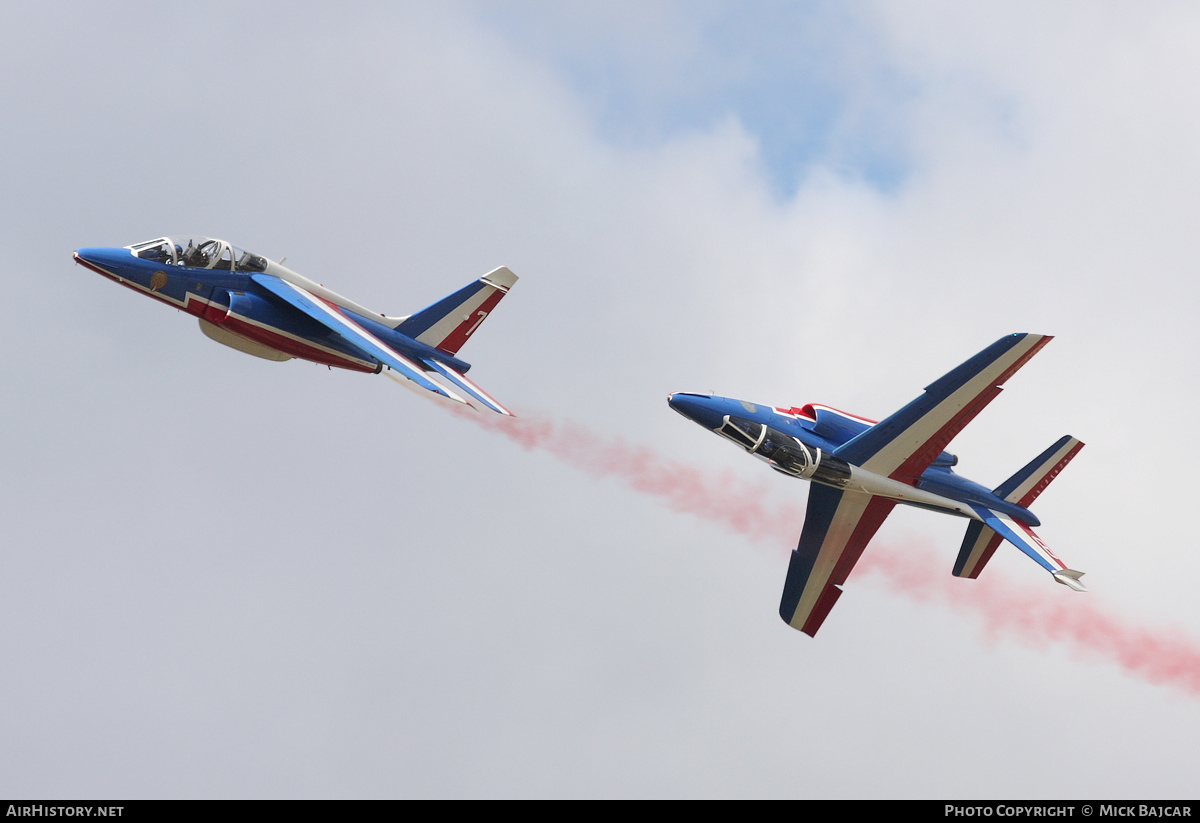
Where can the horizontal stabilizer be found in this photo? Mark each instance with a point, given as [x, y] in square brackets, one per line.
[1025, 486]
[464, 384]
[978, 546]
[1022, 488]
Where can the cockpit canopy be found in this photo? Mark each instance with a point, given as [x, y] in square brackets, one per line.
[198, 253]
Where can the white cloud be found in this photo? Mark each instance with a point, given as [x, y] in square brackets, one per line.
[229, 577]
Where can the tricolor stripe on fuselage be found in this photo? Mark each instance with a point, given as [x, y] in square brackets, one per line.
[274, 336]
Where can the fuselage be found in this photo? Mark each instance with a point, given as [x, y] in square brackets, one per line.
[212, 280]
[803, 442]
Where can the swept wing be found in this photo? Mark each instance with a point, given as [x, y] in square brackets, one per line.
[837, 527]
[902, 446]
[328, 315]
[839, 523]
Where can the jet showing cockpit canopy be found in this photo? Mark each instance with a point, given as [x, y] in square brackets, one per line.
[861, 469]
[259, 307]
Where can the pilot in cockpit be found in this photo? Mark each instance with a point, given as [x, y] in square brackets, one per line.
[158, 254]
[194, 257]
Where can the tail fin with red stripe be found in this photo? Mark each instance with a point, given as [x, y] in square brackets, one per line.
[448, 323]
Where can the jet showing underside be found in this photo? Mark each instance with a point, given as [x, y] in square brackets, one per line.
[861, 469]
[261, 308]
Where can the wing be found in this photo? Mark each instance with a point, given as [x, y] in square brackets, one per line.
[353, 334]
[903, 445]
[837, 527]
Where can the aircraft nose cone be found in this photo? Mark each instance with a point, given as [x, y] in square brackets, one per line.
[92, 257]
[105, 261]
[700, 408]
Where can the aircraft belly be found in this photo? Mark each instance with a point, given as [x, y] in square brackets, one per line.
[266, 324]
[874, 484]
[296, 345]
[240, 343]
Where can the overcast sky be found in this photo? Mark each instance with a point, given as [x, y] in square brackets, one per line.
[226, 577]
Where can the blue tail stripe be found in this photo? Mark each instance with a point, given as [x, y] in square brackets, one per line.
[422, 321]
[1008, 486]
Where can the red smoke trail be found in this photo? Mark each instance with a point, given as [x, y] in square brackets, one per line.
[1037, 617]
[1006, 608]
[737, 506]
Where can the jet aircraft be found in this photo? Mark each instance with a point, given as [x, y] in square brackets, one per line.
[860, 469]
[259, 307]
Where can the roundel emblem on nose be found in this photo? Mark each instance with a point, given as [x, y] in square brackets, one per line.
[158, 280]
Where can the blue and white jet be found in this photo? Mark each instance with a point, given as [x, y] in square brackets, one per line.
[257, 306]
[860, 469]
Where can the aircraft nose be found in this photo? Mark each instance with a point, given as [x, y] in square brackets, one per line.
[105, 261]
[700, 408]
[93, 257]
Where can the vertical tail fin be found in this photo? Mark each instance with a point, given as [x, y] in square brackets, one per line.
[448, 323]
[1022, 488]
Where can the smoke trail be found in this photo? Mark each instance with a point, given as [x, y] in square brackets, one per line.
[1007, 609]
[722, 498]
[1037, 617]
